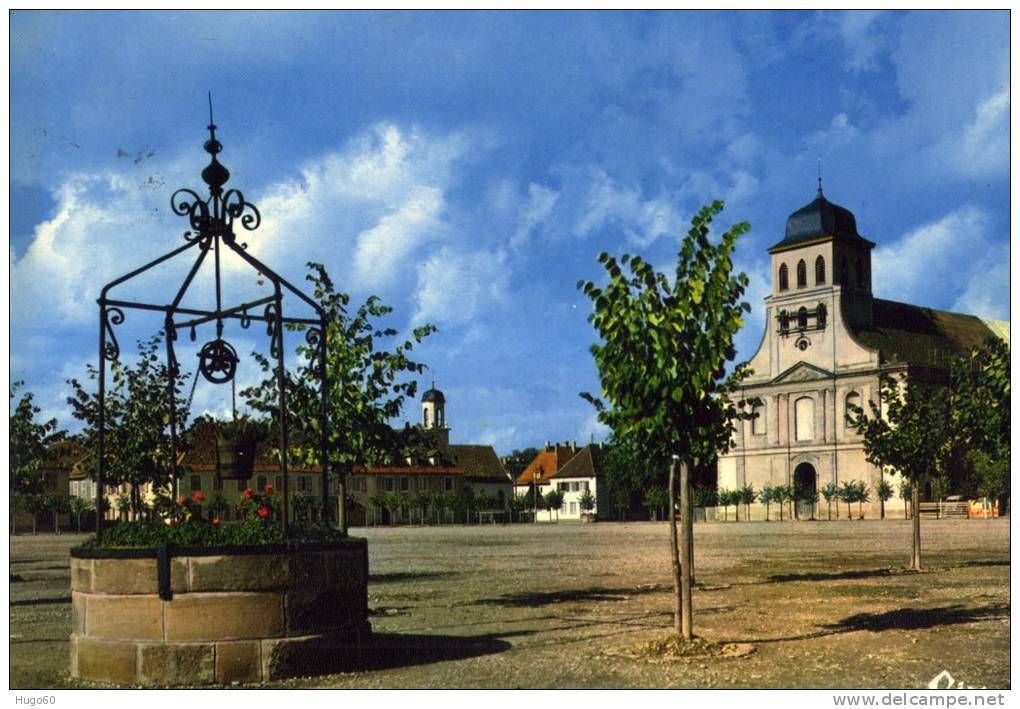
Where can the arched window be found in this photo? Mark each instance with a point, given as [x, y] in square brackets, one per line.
[784, 278]
[819, 271]
[822, 314]
[758, 422]
[860, 274]
[804, 418]
[801, 274]
[851, 403]
[425, 417]
[802, 318]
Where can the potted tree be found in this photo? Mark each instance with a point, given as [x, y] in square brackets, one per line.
[236, 443]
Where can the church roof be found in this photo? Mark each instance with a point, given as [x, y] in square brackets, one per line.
[923, 337]
[818, 221]
[433, 395]
[549, 460]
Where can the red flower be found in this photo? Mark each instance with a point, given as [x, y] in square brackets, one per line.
[269, 489]
[263, 511]
[247, 493]
[215, 521]
[183, 500]
[198, 496]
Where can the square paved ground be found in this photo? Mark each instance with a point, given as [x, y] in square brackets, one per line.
[825, 604]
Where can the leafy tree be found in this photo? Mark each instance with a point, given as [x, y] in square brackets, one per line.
[656, 499]
[29, 443]
[905, 493]
[884, 492]
[830, 491]
[56, 505]
[421, 503]
[517, 504]
[981, 414]
[79, 506]
[137, 433]
[628, 475]
[861, 495]
[587, 501]
[911, 438]
[806, 494]
[747, 495]
[726, 498]
[848, 494]
[554, 502]
[367, 386]
[665, 345]
[792, 493]
[766, 497]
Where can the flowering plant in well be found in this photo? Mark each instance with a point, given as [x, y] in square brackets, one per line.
[260, 507]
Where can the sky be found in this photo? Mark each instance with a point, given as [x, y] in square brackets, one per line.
[468, 168]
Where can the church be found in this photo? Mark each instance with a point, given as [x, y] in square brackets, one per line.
[827, 341]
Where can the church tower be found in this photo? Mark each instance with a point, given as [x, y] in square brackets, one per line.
[821, 277]
[433, 414]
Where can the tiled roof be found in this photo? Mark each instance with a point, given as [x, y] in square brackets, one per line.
[586, 464]
[478, 461]
[923, 337]
[548, 461]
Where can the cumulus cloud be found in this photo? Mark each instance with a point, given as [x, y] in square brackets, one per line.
[862, 38]
[642, 220]
[955, 253]
[985, 144]
[455, 287]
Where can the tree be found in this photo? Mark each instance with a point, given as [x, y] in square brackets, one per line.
[884, 491]
[554, 501]
[861, 496]
[747, 496]
[848, 494]
[981, 414]
[726, 498]
[665, 345]
[628, 475]
[29, 443]
[79, 506]
[367, 386]
[655, 500]
[517, 504]
[793, 494]
[830, 491]
[587, 502]
[807, 494]
[137, 420]
[905, 491]
[910, 438]
[767, 496]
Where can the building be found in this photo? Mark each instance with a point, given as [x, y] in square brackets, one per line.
[570, 470]
[826, 343]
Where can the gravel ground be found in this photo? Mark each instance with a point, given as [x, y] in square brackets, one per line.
[824, 604]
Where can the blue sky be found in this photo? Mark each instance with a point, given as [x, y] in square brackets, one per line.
[469, 167]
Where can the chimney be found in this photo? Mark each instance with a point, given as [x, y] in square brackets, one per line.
[573, 446]
[548, 445]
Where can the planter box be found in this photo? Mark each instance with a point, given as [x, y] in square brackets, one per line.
[217, 616]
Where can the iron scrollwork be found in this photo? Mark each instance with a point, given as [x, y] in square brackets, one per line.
[111, 316]
[313, 336]
[276, 337]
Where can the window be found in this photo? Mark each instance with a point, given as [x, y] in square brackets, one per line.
[784, 278]
[802, 318]
[804, 418]
[261, 482]
[819, 271]
[387, 484]
[302, 483]
[405, 484]
[423, 483]
[801, 274]
[758, 422]
[241, 485]
[425, 417]
[196, 482]
[278, 482]
[584, 484]
[447, 484]
[573, 508]
[853, 399]
[822, 314]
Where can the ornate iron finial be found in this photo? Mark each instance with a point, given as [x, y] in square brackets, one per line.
[214, 216]
[819, 175]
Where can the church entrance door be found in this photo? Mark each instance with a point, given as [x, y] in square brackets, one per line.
[805, 479]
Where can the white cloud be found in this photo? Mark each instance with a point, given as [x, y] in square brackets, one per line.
[862, 39]
[454, 287]
[954, 254]
[985, 144]
[540, 204]
[642, 220]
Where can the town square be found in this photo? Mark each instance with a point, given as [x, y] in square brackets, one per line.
[510, 350]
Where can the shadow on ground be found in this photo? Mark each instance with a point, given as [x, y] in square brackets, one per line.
[542, 598]
[399, 576]
[391, 650]
[918, 618]
[837, 575]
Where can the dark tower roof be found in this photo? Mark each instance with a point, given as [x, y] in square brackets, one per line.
[433, 395]
[817, 221]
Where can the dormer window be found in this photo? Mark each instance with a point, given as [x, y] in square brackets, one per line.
[801, 274]
[819, 271]
[784, 278]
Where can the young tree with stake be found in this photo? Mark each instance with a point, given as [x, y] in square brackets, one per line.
[665, 343]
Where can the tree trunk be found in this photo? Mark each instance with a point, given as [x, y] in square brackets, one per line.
[881, 509]
[781, 504]
[674, 555]
[687, 549]
[828, 506]
[915, 497]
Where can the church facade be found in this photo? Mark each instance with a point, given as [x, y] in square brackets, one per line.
[827, 341]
